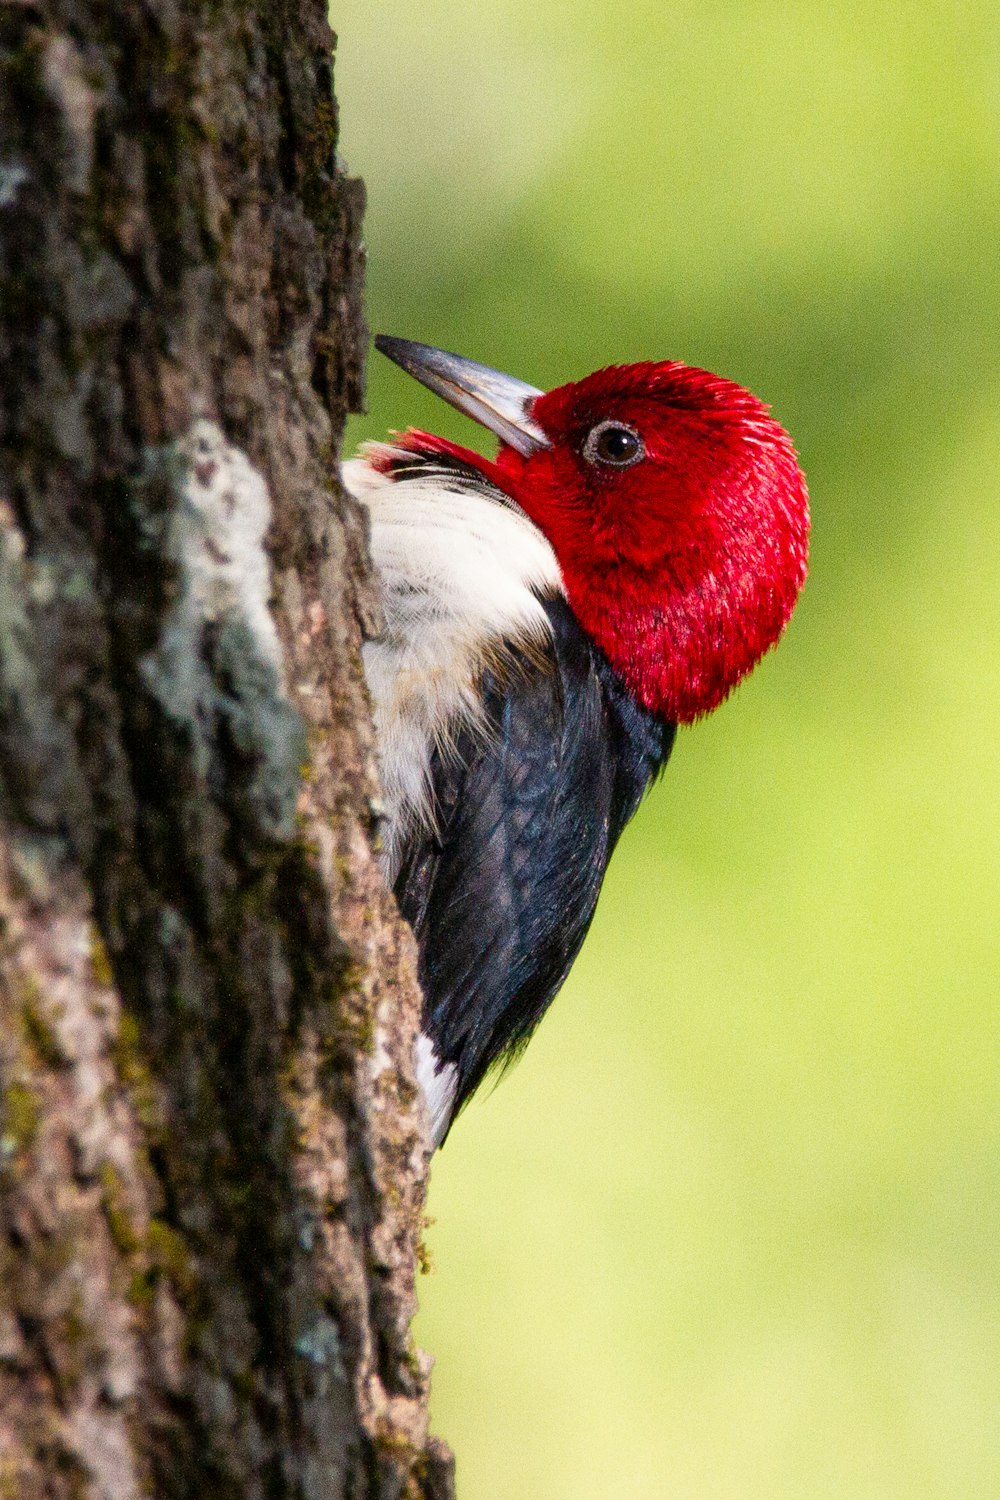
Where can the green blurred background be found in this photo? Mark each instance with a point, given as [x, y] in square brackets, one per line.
[731, 1227]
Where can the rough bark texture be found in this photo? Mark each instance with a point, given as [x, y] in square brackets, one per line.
[211, 1176]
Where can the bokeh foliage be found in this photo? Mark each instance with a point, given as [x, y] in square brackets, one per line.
[730, 1230]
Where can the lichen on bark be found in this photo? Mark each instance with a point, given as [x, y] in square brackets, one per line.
[211, 1160]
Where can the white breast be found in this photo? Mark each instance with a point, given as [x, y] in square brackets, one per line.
[460, 571]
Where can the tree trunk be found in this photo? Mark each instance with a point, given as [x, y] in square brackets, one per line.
[211, 1170]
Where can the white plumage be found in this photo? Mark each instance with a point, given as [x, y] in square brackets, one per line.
[461, 573]
[438, 1085]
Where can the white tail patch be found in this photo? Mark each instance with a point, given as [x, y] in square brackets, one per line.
[438, 1085]
[461, 571]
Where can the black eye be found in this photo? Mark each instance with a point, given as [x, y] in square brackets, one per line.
[615, 444]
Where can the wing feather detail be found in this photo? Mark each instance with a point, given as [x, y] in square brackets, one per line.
[501, 894]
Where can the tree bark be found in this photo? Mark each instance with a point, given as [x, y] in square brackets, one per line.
[211, 1162]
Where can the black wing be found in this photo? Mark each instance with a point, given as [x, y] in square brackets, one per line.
[500, 898]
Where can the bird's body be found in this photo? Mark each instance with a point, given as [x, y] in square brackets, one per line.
[514, 745]
[511, 758]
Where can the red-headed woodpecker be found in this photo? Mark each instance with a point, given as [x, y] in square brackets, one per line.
[551, 616]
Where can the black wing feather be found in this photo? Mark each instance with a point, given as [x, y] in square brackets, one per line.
[501, 896]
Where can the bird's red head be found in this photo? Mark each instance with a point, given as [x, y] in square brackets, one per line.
[674, 505]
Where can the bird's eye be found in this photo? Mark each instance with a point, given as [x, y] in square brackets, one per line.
[613, 443]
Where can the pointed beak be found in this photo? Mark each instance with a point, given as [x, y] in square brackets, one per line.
[499, 402]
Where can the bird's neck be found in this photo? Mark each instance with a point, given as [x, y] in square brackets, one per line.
[682, 621]
[685, 628]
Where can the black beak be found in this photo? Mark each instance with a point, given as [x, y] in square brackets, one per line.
[499, 402]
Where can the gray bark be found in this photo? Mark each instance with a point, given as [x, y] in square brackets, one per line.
[211, 1173]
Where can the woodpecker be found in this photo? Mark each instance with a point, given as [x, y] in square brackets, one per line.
[551, 616]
